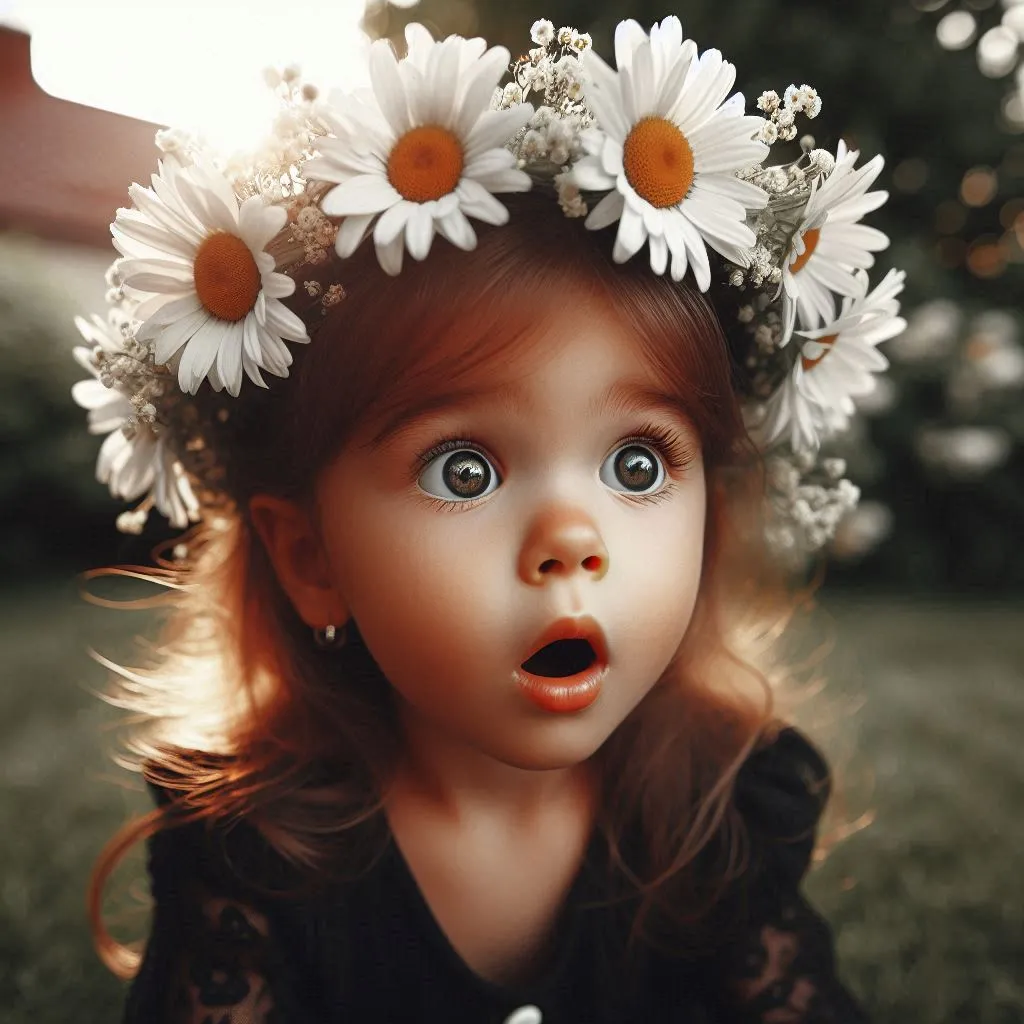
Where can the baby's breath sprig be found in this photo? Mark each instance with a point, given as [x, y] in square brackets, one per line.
[782, 112]
[552, 76]
[808, 497]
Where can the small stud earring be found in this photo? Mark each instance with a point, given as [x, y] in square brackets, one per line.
[330, 637]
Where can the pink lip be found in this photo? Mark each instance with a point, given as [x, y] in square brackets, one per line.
[567, 693]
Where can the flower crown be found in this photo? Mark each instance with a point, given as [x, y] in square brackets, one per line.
[656, 145]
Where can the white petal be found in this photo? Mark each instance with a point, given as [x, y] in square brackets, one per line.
[716, 227]
[284, 322]
[477, 94]
[491, 161]
[456, 228]
[419, 232]
[351, 234]
[611, 156]
[676, 241]
[366, 193]
[831, 275]
[174, 335]
[510, 179]
[388, 89]
[659, 253]
[136, 235]
[167, 314]
[251, 340]
[627, 94]
[476, 201]
[628, 36]
[162, 283]
[207, 206]
[723, 130]
[441, 84]
[390, 256]
[607, 106]
[199, 354]
[278, 286]
[748, 195]
[252, 371]
[697, 251]
[857, 235]
[229, 359]
[167, 217]
[630, 237]
[606, 212]
[276, 356]
[259, 223]
[392, 223]
[495, 128]
[728, 157]
[642, 76]
[588, 174]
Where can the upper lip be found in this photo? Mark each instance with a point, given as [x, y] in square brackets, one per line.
[580, 627]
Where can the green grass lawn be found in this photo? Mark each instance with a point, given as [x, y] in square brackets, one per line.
[927, 901]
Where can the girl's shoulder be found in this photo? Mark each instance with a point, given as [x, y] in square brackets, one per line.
[781, 792]
[228, 854]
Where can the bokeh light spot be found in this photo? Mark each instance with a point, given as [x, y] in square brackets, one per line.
[956, 30]
[979, 186]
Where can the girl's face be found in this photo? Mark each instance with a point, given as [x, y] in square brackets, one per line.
[553, 486]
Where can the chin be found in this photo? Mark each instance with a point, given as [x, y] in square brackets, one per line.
[558, 748]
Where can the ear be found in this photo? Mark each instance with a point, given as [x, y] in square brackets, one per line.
[299, 560]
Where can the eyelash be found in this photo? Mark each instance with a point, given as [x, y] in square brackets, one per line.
[676, 452]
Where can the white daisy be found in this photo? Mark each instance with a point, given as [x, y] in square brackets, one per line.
[829, 244]
[836, 363]
[422, 152]
[667, 150]
[133, 458]
[196, 261]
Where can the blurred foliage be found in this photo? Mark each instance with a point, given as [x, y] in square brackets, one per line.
[55, 513]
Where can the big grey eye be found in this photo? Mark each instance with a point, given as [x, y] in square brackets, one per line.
[633, 469]
[459, 475]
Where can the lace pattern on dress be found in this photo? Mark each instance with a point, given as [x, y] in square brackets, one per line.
[785, 972]
[225, 966]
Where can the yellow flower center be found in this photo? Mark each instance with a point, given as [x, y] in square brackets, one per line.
[426, 163]
[658, 162]
[826, 343]
[227, 278]
[810, 239]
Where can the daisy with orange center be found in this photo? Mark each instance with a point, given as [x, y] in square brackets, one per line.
[666, 152]
[425, 153]
[207, 292]
[837, 363]
[830, 243]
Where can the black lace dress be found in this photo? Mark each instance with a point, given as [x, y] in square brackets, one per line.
[222, 952]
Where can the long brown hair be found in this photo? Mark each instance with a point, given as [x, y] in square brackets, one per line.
[241, 715]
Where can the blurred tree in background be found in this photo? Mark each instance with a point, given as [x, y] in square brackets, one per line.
[939, 451]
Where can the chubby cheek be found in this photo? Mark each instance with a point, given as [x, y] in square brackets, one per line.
[656, 581]
[417, 584]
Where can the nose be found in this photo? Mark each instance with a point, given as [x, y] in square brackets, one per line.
[562, 542]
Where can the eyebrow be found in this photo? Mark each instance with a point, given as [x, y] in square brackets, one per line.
[624, 396]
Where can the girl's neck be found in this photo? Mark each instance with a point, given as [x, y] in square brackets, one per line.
[460, 783]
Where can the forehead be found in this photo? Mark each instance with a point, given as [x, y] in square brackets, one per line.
[587, 364]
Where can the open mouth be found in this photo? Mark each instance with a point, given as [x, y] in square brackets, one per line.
[561, 658]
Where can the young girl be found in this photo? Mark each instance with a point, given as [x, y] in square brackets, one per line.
[462, 711]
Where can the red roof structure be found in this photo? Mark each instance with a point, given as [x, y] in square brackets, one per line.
[66, 167]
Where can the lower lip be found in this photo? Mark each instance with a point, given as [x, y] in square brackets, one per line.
[563, 694]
